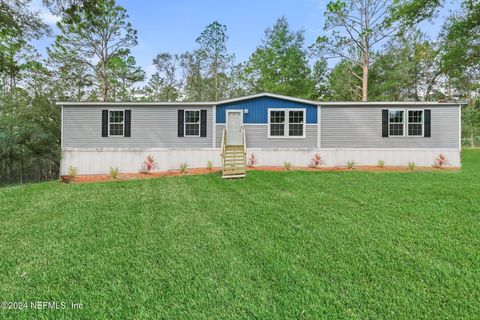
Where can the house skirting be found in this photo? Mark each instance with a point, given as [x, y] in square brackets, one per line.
[100, 160]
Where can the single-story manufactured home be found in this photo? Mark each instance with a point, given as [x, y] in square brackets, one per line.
[276, 129]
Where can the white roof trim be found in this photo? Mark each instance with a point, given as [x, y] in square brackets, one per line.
[179, 103]
[390, 103]
[264, 94]
[132, 103]
[271, 95]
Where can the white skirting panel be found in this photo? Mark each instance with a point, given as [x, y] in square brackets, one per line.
[340, 157]
[131, 161]
[93, 161]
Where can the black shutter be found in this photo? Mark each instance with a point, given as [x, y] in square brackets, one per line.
[104, 123]
[384, 123]
[128, 118]
[181, 120]
[427, 123]
[203, 123]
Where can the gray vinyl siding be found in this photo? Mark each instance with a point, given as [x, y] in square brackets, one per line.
[361, 127]
[257, 137]
[341, 127]
[151, 127]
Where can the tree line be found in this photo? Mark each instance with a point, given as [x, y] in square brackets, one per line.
[369, 50]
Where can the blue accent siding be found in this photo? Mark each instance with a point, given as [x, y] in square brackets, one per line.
[258, 109]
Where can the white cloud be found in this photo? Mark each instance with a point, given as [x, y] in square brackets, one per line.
[321, 4]
[149, 69]
[49, 18]
[44, 13]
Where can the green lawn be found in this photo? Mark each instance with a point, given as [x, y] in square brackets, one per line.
[275, 245]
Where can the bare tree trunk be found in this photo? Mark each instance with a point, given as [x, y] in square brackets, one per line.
[431, 82]
[366, 52]
[365, 67]
[104, 70]
[216, 80]
[21, 171]
[216, 87]
[365, 82]
[472, 137]
[10, 164]
[105, 88]
[11, 153]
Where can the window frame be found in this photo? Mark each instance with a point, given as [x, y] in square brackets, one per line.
[403, 123]
[286, 124]
[185, 123]
[270, 122]
[422, 123]
[123, 124]
[406, 123]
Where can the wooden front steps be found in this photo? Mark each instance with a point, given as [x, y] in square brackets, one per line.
[234, 159]
[234, 162]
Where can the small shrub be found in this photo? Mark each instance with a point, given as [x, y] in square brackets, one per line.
[381, 163]
[441, 160]
[350, 164]
[114, 172]
[287, 165]
[411, 165]
[183, 167]
[149, 164]
[209, 165]
[316, 161]
[252, 160]
[72, 172]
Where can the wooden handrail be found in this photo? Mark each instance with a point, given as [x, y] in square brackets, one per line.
[244, 142]
[224, 140]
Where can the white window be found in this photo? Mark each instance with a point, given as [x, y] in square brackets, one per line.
[192, 123]
[116, 123]
[415, 123]
[405, 122]
[395, 122]
[295, 123]
[286, 123]
[277, 123]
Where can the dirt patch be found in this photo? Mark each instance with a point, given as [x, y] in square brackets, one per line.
[198, 171]
[136, 176]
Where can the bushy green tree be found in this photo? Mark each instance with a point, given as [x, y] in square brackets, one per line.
[73, 81]
[461, 38]
[124, 74]
[280, 65]
[213, 47]
[471, 120]
[320, 78]
[409, 68]
[92, 36]
[164, 84]
[342, 84]
[23, 79]
[411, 12]
[353, 30]
[196, 82]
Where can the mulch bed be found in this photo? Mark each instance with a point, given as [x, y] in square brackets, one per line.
[135, 176]
[198, 171]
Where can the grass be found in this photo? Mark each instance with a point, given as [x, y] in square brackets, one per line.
[275, 245]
